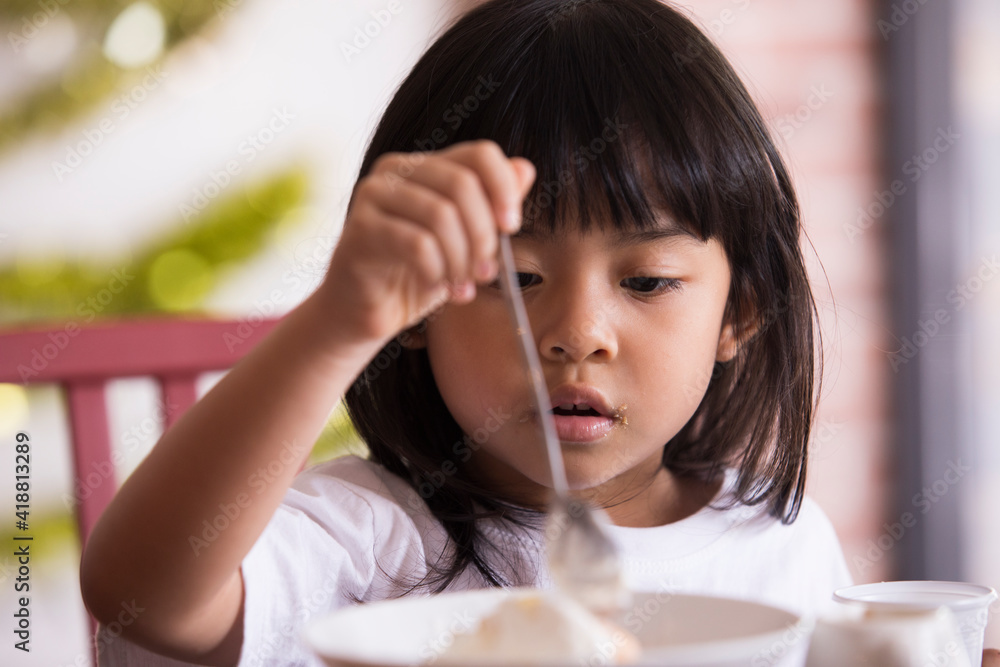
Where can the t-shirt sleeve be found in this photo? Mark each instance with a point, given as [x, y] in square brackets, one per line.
[795, 567]
[297, 569]
[330, 544]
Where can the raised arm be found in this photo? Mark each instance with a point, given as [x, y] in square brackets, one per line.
[409, 245]
[150, 545]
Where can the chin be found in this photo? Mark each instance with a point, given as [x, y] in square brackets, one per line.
[585, 480]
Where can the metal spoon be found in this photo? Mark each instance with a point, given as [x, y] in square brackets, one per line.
[583, 560]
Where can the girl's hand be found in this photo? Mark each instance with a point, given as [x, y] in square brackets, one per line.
[991, 658]
[422, 230]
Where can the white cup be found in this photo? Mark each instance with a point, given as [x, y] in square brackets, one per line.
[968, 602]
[898, 639]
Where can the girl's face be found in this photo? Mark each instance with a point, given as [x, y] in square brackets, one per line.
[628, 325]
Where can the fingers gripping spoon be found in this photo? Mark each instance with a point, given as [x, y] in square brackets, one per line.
[583, 560]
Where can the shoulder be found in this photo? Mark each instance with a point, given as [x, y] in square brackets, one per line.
[346, 473]
[814, 525]
[801, 562]
[810, 535]
[347, 530]
[738, 550]
[356, 506]
[811, 529]
[349, 522]
[351, 483]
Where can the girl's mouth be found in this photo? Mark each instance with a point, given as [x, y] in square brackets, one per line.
[581, 426]
[572, 410]
[581, 413]
[579, 422]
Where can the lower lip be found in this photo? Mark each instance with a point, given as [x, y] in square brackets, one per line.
[582, 429]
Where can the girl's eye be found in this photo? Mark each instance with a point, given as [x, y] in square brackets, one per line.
[650, 285]
[524, 280]
[527, 279]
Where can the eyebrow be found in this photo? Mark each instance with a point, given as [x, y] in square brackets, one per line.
[626, 238]
[639, 236]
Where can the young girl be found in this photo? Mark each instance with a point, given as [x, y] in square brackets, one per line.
[656, 237]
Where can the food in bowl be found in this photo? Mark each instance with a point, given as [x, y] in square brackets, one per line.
[539, 628]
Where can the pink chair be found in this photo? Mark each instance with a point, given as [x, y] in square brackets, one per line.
[83, 359]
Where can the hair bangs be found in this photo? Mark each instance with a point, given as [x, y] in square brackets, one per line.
[608, 117]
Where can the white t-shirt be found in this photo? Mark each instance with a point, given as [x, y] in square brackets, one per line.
[348, 527]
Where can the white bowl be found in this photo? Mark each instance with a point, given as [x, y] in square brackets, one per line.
[675, 630]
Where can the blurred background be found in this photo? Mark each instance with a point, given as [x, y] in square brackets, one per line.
[181, 157]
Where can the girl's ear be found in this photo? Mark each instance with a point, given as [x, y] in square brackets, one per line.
[735, 335]
[728, 347]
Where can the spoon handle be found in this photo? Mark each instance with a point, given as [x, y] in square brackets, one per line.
[529, 354]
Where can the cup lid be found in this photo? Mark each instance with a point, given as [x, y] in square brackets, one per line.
[917, 595]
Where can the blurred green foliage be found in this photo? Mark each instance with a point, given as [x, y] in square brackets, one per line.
[90, 78]
[230, 230]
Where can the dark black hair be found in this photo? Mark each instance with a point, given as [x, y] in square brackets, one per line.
[625, 108]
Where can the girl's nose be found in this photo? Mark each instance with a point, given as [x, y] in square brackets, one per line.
[577, 329]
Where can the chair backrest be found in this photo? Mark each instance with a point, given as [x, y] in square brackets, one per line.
[84, 359]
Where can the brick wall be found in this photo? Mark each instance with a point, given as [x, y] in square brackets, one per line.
[813, 71]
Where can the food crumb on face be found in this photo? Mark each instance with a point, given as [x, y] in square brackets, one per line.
[619, 414]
